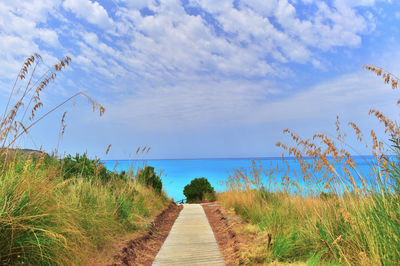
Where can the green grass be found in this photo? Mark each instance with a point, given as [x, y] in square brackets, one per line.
[327, 229]
[358, 224]
[60, 212]
[46, 220]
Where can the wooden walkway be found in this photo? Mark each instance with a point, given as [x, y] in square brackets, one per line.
[191, 241]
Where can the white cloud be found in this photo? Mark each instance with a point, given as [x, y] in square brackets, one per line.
[137, 4]
[352, 95]
[353, 3]
[22, 25]
[15, 46]
[212, 66]
[33, 10]
[93, 12]
[190, 104]
[265, 8]
[214, 7]
[173, 45]
[329, 27]
[171, 61]
[292, 38]
[256, 40]
[13, 49]
[92, 39]
[49, 36]
[229, 104]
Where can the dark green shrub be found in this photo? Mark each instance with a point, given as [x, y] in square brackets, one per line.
[150, 179]
[82, 166]
[327, 195]
[198, 189]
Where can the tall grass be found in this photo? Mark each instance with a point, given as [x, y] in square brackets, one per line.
[50, 212]
[335, 215]
[45, 219]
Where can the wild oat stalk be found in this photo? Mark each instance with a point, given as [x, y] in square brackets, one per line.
[12, 123]
[386, 75]
[353, 220]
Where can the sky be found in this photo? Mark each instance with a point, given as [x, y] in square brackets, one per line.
[202, 78]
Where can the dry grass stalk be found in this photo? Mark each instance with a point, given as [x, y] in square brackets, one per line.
[108, 149]
[12, 124]
[350, 220]
[386, 75]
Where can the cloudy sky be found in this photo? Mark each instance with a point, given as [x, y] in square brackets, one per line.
[202, 78]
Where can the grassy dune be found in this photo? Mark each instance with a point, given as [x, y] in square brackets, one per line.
[337, 231]
[46, 219]
[358, 224]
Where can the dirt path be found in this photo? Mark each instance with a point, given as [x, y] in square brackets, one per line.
[221, 225]
[143, 249]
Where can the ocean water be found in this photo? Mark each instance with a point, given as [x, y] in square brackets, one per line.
[175, 174]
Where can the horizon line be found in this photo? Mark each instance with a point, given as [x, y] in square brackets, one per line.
[228, 158]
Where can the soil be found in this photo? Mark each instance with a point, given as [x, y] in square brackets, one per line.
[222, 226]
[143, 249]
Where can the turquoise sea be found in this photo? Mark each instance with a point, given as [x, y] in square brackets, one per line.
[177, 173]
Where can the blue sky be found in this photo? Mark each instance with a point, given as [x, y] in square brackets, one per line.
[203, 78]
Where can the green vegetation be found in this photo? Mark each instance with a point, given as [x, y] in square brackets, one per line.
[148, 178]
[60, 212]
[199, 189]
[82, 166]
[47, 219]
[344, 220]
[352, 230]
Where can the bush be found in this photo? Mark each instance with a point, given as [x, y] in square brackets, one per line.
[198, 189]
[150, 179]
[82, 166]
[327, 195]
[46, 220]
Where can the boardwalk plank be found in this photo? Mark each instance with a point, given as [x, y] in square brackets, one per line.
[191, 241]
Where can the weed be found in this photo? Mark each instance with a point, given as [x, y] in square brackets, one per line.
[337, 216]
[59, 212]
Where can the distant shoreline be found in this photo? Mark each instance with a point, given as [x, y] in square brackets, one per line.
[236, 158]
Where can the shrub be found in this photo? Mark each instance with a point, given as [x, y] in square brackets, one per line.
[45, 220]
[198, 189]
[82, 166]
[150, 179]
[327, 195]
